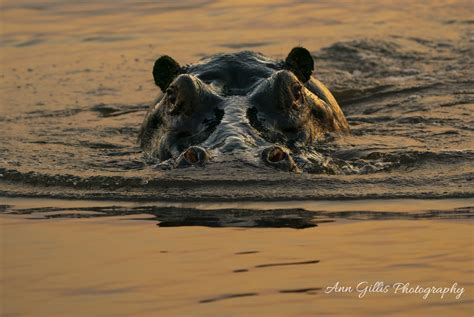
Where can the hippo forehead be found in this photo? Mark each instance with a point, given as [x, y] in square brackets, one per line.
[236, 73]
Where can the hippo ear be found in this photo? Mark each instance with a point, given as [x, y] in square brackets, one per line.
[164, 71]
[301, 63]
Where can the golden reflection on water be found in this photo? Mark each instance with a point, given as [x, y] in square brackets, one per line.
[122, 267]
[192, 28]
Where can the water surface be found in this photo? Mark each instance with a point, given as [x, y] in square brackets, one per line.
[108, 259]
[229, 238]
[74, 97]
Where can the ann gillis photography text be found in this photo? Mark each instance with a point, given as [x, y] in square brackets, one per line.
[364, 287]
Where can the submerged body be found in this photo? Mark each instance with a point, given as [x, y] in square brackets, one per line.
[243, 104]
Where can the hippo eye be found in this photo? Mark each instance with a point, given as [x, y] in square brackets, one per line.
[298, 97]
[297, 91]
[171, 95]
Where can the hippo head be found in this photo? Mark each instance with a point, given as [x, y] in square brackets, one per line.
[241, 106]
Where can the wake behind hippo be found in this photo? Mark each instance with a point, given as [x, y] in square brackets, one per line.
[241, 106]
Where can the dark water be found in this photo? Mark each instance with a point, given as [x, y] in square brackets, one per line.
[283, 215]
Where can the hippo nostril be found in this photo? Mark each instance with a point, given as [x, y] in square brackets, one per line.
[280, 158]
[191, 156]
[276, 154]
[194, 155]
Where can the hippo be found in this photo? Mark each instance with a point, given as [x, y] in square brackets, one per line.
[242, 106]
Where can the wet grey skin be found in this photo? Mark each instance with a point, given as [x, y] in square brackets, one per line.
[242, 106]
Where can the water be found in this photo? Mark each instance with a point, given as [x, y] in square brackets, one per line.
[80, 258]
[75, 83]
[73, 99]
